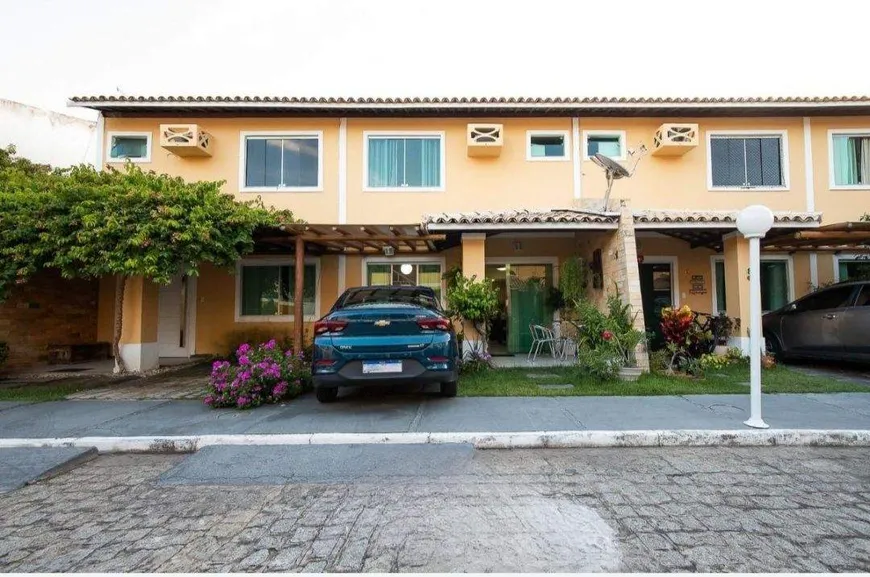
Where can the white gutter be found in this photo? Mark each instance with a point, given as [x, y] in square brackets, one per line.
[575, 158]
[522, 226]
[109, 104]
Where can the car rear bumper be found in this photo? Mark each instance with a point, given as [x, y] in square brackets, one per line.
[413, 372]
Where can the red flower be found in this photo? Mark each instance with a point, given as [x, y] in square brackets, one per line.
[607, 335]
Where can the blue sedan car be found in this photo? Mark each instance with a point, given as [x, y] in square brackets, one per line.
[383, 335]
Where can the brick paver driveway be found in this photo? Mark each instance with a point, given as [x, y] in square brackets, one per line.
[765, 509]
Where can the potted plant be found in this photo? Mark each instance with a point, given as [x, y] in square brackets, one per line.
[612, 336]
[722, 326]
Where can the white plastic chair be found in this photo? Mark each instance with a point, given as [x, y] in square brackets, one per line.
[542, 336]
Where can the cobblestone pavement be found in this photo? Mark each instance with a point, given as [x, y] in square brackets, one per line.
[770, 509]
[179, 384]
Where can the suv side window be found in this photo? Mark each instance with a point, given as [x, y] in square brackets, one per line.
[863, 297]
[830, 298]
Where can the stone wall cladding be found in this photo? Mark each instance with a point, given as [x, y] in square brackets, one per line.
[620, 272]
[47, 310]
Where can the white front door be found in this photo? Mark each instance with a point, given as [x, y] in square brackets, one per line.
[172, 324]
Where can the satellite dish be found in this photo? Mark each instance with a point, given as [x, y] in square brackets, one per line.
[614, 171]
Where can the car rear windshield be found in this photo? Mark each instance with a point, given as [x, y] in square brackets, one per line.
[423, 297]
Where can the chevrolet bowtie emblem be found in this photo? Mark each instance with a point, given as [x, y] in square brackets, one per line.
[382, 323]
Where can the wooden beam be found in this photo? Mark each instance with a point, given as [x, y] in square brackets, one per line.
[378, 238]
[398, 233]
[298, 289]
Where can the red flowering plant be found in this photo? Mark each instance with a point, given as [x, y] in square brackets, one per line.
[608, 338]
[262, 374]
[686, 339]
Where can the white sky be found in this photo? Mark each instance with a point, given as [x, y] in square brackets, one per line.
[52, 49]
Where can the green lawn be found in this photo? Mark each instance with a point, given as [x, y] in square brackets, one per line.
[54, 390]
[518, 383]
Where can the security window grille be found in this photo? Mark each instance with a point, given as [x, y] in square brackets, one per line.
[746, 162]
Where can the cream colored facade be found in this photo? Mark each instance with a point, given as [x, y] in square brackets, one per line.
[511, 180]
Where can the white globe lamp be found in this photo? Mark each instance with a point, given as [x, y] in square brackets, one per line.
[753, 222]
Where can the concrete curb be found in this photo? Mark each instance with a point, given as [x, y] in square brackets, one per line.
[480, 440]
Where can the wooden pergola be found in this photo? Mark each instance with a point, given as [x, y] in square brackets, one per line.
[839, 237]
[348, 239]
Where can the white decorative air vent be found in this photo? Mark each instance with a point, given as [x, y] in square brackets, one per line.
[185, 139]
[485, 139]
[675, 139]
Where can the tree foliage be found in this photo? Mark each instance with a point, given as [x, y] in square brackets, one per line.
[127, 222]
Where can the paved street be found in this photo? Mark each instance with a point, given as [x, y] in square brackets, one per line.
[447, 508]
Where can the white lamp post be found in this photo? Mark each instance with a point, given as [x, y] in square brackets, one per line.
[753, 222]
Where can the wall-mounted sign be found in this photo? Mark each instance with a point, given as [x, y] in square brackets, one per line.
[697, 285]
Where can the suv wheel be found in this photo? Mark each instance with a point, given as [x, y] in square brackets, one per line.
[327, 394]
[449, 389]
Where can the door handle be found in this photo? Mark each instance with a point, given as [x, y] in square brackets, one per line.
[829, 316]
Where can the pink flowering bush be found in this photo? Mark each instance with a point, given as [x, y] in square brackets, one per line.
[262, 374]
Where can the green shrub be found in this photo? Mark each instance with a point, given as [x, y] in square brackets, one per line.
[711, 362]
[734, 354]
[602, 363]
[475, 362]
[659, 361]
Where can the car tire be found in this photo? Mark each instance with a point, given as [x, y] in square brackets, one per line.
[772, 347]
[449, 389]
[327, 394]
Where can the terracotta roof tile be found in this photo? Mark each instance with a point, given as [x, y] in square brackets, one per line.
[727, 217]
[559, 216]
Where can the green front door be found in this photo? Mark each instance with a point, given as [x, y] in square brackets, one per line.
[655, 290]
[527, 290]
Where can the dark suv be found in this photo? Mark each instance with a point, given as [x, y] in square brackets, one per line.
[831, 323]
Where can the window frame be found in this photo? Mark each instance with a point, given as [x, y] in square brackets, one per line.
[623, 152]
[266, 134]
[847, 256]
[788, 259]
[367, 134]
[401, 259]
[832, 181]
[565, 134]
[128, 134]
[783, 159]
[275, 261]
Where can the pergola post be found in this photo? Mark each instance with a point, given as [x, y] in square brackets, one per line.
[298, 289]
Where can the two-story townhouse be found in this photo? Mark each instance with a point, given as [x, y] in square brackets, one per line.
[401, 190]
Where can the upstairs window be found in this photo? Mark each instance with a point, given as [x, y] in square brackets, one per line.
[544, 145]
[399, 162]
[746, 161]
[132, 146]
[276, 162]
[851, 160]
[608, 143]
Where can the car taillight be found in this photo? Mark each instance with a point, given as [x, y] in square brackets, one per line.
[436, 324]
[332, 326]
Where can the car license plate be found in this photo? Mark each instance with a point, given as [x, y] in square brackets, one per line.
[378, 367]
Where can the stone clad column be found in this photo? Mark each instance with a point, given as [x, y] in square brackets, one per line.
[736, 250]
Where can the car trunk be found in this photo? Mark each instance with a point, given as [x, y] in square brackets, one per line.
[381, 331]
